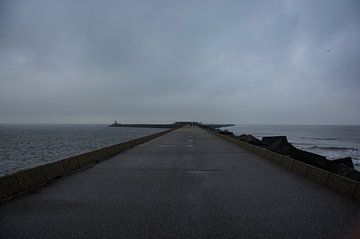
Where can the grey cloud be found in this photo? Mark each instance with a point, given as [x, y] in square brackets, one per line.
[141, 61]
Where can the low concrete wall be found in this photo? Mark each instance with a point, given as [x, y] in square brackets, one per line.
[318, 175]
[276, 158]
[287, 162]
[29, 179]
[345, 186]
[259, 151]
[300, 168]
[342, 185]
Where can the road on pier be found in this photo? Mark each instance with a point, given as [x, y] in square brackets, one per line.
[186, 184]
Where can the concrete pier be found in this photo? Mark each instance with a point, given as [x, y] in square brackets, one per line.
[186, 184]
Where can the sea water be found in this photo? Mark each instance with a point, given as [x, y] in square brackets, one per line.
[26, 146]
[331, 141]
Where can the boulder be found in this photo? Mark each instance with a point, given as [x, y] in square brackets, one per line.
[337, 164]
[354, 175]
[250, 139]
[280, 144]
[224, 132]
[344, 167]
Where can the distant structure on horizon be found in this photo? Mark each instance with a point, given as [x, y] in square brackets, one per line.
[173, 125]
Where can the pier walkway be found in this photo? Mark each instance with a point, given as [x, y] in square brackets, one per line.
[186, 184]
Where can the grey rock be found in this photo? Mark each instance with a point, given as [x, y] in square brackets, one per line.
[250, 139]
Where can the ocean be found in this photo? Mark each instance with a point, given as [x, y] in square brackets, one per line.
[331, 141]
[26, 146]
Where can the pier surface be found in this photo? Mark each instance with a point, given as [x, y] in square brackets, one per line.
[186, 184]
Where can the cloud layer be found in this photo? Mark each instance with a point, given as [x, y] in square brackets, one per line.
[268, 62]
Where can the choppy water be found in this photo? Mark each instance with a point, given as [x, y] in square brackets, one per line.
[25, 146]
[330, 141]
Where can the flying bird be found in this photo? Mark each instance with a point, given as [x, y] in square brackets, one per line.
[328, 50]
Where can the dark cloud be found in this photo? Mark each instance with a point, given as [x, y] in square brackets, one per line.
[160, 61]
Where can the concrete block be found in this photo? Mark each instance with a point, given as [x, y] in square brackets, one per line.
[254, 148]
[134, 142]
[268, 154]
[239, 143]
[85, 159]
[98, 154]
[276, 158]
[111, 151]
[318, 175]
[53, 170]
[106, 153]
[9, 186]
[300, 168]
[243, 145]
[342, 185]
[262, 152]
[116, 148]
[129, 145]
[232, 140]
[119, 148]
[287, 162]
[145, 139]
[356, 195]
[122, 147]
[31, 178]
[102, 154]
[258, 151]
[70, 164]
[249, 147]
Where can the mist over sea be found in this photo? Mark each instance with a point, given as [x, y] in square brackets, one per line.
[330, 141]
[26, 146]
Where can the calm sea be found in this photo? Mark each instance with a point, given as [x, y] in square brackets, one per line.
[25, 146]
[330, 141]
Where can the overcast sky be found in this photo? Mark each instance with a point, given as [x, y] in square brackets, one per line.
[251, 62]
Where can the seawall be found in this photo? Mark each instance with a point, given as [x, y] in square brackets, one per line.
[29, 179]
[342, 185]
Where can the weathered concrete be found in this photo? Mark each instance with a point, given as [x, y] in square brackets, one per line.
[32, 178]
[300, 168]
[277, 158]
[71, 164]
[9, 185]
[342, 185]
[287, 162]
[53, 170]
[318, 175]
[186, 184]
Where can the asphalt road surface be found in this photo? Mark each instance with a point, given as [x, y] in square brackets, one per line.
[186, 184]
